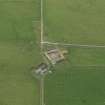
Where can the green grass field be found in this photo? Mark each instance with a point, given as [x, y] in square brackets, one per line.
[19, 51]
[81, 79]
[76, 86]
[75, 21]
[86, 56]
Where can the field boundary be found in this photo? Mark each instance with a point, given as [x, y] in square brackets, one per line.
[42, 26]
[87, 65]
[41, 50]
[42, 91]
[73, 45]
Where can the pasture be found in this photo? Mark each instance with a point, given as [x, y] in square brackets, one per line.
[73, 21]
[19, 21]
[75, 86]
[80, 80]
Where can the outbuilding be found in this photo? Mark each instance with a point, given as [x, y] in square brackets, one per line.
[41, 69]
[55, 55]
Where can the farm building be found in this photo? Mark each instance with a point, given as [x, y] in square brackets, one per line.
[55, 55]
[41, 69]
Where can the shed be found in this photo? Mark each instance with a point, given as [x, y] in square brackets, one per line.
[55, 55]
[41, 69]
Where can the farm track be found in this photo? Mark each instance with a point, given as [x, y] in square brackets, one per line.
[74, 45]
[42, 91]
[41, 22]
[41, 48]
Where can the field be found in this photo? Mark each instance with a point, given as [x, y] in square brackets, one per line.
[76, 86]
[75, 21]
[80, 80]
[18, 51]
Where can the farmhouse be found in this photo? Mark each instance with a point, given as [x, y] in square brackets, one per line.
[41, 69]
[55, 55]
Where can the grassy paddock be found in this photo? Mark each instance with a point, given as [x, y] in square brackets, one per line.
[75, 21]
[17, 87]
[19, 51]
[75, 86]
[86, 56]
[81, 79]
[18, 19]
